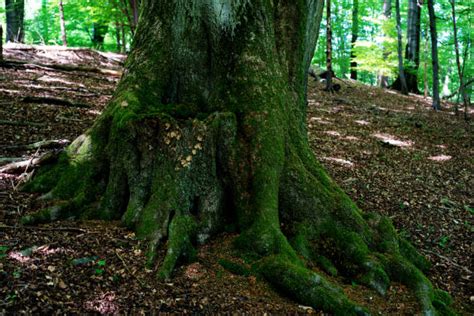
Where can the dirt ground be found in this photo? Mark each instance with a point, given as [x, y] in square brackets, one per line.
[392, 154]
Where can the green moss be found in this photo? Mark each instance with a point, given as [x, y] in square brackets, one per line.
[411, 254]
[235, 268]
[181, 231]
[307, 287]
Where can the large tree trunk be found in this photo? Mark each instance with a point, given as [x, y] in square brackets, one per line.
[412, 52]
[434, 55]
[15, 11]
[206, 129]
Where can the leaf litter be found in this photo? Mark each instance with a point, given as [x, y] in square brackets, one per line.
[99, 267]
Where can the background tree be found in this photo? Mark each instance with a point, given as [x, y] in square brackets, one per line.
[62, 22]
[180, 157]
[401, 70]
[387, 15]
[434, 55]
[458, 61]
[15, 12]
[330, 72]
[412, 52]
[355, 33]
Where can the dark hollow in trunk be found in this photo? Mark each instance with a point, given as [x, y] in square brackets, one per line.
[207, 130]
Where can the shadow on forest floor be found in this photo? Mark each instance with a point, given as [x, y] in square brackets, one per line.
[392, 154]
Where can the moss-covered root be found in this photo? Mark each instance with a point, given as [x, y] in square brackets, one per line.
[307, 287]
[181, 232]
[433, 302]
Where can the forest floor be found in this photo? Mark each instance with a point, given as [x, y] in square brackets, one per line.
[391, 153]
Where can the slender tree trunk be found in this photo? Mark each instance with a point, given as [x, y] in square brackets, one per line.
[425, 65]
[462, 89]
[15, 11]
[124, 38]
[355, 33]
[196, 139]
[1, 43]
[387, 14]
[99, 31]
[45, 19]
[328, 47]
[62, 22]
[401, 70]
[412, 51]
[117, 36]
[434, 56]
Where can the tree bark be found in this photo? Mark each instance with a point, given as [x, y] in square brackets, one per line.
[355, 33]
[206, 129]
[99, 31]
[401, 70]
[62, 23]
[15, 11]
[387, 14]
[412, 51]
[462, 90]
[434, 56]
[328, 47]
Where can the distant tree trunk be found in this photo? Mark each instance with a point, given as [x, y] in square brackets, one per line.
[63, 23]
[434, 56]
[462, 89]
[387, 14]
[401, 71]
[117, 36]
[44, 17]
[1, 42]
[425, 64]
[412, 52]
[124, 38]
[328, 47]
[100, 29]
[355, 33]
[15, 12]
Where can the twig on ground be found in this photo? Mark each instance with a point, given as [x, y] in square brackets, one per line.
[140, 281]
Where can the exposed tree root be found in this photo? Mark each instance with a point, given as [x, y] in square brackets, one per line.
[169, 180]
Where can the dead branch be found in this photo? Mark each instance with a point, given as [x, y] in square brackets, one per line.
[21, 166]
[16, 64]
[53, 101]
[22, 123]
[63, 229]
[44, 144]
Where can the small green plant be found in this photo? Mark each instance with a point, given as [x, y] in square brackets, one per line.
[3, 251]
[100, 268]
[469, 209]
[443, 241]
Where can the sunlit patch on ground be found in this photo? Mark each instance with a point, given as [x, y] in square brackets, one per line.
[332, 133]
[351, 138]
[392, 140]
[440, 158]
[362, 122]
[340, 161]
[319, 120]
[104, 304]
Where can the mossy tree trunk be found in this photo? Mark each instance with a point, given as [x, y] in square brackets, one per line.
[207, 130]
